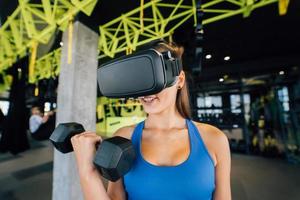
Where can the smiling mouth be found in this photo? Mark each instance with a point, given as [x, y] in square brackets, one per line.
[148, 99]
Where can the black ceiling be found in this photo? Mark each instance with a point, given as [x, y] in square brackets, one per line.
[262, 43]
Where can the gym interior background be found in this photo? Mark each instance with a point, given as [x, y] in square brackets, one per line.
[243, 64]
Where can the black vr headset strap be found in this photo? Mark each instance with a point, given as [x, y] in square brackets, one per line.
[178, 66]
[173, 66]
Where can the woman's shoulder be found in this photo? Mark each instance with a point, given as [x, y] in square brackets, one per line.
[214, 139]
[125, 131]
[210, 131]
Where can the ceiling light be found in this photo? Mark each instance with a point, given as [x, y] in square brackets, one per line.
[227, 58]
[281, 72]
[221, 79]
[208, 56]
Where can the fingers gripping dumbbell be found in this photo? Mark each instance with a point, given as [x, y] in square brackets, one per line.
[114, 156]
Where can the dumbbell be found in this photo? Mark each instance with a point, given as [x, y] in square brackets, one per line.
[114, 156]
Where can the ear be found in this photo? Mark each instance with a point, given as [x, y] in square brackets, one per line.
[181, 79]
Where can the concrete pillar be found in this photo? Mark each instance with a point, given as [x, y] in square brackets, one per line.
[76, 102]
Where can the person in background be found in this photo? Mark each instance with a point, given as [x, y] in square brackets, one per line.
[41, 124]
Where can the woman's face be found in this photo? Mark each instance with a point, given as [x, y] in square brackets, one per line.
[156, 103]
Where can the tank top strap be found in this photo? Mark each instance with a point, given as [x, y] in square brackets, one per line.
[193, 132]
[192, 137]
[136, 135]
[197, 142]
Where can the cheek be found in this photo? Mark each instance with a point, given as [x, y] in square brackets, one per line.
[169, 93]
[167, 98]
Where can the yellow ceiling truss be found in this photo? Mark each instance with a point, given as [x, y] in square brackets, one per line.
[151, 20]
[35, 23]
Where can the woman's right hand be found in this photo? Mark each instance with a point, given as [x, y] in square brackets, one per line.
[84, 146]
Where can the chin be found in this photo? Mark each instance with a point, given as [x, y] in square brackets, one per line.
[151, 110]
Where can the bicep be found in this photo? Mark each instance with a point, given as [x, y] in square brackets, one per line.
[116, 191]
[223, 190]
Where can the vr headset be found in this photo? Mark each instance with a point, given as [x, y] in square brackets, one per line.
[139, 74]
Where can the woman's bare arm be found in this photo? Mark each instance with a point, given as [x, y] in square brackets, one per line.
[222, 169]
[116, 190]
[90, 179]
[93, 187]
[217, 145]
[84, 146]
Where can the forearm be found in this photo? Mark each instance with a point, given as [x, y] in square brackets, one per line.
[93, 187]
[222, 195]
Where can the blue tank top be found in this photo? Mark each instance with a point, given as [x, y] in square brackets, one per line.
[193, 179]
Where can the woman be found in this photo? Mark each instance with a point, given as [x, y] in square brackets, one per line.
[177, 158]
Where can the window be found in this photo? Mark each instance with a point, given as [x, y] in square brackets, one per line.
[283, 95]
[209, 105]
[235, 102]
[4, 105]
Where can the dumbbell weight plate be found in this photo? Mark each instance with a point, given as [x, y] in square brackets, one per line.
[114, 157]
[61, 136]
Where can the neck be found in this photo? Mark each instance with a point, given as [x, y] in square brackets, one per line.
[167, 119]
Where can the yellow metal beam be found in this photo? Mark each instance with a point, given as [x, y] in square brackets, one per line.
[7, 79]
[128, 31]
[244, 7]
[283, 6]
[36, 22]
[118, 35]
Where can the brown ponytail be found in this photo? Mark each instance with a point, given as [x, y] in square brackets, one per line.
[183, 102]
[182, 97]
